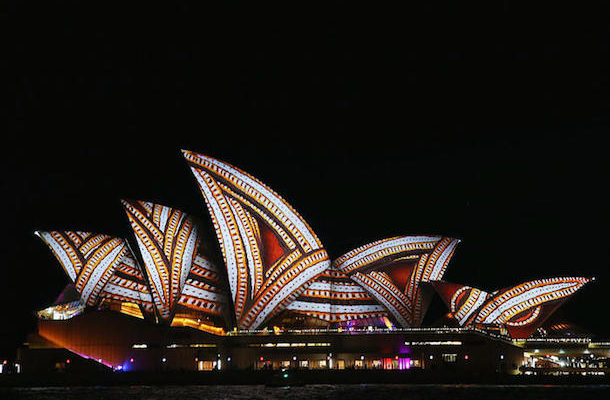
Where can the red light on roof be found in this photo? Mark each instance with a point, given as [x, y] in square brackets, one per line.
[68, 361]
[396, 357]
[262, 358]
[131, 360]
[466, 357]
[196, 358]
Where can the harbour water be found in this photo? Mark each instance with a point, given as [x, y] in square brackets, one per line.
[312, 392]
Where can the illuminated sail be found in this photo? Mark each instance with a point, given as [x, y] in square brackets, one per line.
[101, 266]
[334, 297]
[463, 301]
[128, 284]
[392, 271]
[167, 239]
[270, 252]
[381, 287]
[203, 290]
[521, 308]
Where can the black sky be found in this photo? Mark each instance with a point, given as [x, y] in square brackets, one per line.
[487, 124]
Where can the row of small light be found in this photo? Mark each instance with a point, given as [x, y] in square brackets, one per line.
[466, 357]
[294, 358]
[228, 358]
[132, 360]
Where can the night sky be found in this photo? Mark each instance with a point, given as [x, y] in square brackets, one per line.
[487, 125]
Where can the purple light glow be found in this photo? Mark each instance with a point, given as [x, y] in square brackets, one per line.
[404, 363]
[404, 349]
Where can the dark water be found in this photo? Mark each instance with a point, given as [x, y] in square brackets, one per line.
[310, 392]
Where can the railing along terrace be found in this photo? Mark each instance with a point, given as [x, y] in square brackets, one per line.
[553, 340]
[370, 330]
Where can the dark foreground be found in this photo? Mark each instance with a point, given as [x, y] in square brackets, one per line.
[309, 392]
[289, 378]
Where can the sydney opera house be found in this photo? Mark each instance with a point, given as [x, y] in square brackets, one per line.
[264, 294]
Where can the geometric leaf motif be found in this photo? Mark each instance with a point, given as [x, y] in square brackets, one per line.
[334, 297]
[521, 308]
[203, 291]
[507, 303]
[415, 259]
[271, 254]
[168, 240]
[95, 263]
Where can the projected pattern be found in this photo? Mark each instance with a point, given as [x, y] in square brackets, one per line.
[463, 301]
[203, 288]
[101, 266]
[127, 284]
[274, 261]
[334, 297]
[521, 308]
[507, 304]
[392, 271]
[270, 252]
[168, 240]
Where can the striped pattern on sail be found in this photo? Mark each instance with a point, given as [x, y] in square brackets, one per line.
[373, 253]
[271, 253]
[127, 284]
[508, 303]
[430, 267]
[392, 271]
[203, 289]
[168, 240]
[95, 263]
[334, 297]
[463, 301]
[380, 286]
[521, 308]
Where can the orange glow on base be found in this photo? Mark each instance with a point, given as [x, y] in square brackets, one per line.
[192, 323]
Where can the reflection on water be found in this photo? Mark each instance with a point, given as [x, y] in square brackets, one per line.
[309, 392]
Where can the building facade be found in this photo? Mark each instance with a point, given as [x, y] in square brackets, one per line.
[266, 294]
